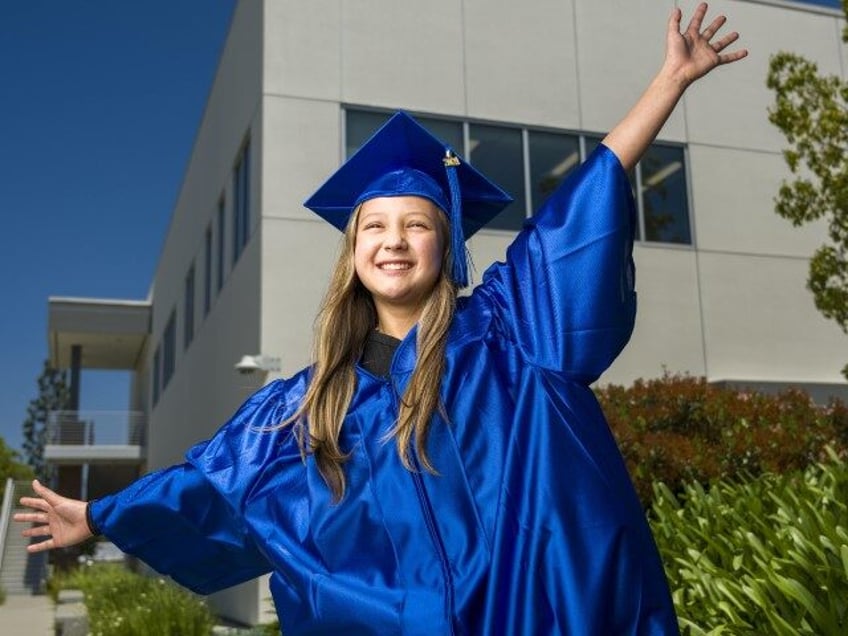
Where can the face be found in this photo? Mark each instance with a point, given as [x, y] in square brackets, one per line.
[400, 242]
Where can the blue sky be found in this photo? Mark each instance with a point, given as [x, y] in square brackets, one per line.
[99, 105]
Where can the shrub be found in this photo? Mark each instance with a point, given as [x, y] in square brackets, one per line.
[121, 603]
[678, 428]
[769, 555]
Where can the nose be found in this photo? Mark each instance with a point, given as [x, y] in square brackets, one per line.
[395, 240]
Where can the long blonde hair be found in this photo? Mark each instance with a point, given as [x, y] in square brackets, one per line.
[346, 318]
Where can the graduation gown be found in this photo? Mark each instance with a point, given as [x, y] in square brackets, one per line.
[530, 527]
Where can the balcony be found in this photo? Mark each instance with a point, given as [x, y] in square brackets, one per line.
[95, 437]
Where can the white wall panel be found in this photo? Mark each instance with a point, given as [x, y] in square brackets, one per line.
[521, 62]
[298, 257]
[760, 322]
[733, 193]
[621, 46]
[303, 48]
[302, 147]
[403, 54]
[668, 320]
[729, 107]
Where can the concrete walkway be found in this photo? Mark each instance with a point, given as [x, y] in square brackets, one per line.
[23, 615]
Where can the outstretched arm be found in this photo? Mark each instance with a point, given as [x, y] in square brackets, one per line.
[689, 56]
[61, 519]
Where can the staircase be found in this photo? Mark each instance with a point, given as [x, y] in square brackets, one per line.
[20, 572]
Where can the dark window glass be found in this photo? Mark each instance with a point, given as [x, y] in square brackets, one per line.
[448, 132]
[664, 202]
[241, 202]
[188, 306]
[157, 374]
[207, 270]
[169, 349]
[496, 151]
[552, 157]
[221, 243]
[360, 125]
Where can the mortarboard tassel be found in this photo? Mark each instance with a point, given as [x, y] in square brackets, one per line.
[457, 238]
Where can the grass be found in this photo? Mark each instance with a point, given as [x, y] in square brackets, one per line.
[121, 603]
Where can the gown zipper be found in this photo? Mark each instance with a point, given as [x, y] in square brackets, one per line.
[429, 519]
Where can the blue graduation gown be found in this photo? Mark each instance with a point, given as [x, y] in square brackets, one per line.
[531, 526]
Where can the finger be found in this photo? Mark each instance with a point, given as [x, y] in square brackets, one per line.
[697, 18]
[45, 493]
[715, 25]
[35, 502]
[41, 546]
[37, 531]
[727, 40]
[674, 21]
[31, 517]
[727, 58]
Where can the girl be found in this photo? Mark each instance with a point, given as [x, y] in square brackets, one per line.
[443, 466]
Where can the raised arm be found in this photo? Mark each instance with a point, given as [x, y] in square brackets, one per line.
[689, 56]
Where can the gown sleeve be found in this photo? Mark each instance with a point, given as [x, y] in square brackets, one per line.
[180, 522]
[565, 295]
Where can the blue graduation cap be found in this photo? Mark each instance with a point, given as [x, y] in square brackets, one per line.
[403, 159]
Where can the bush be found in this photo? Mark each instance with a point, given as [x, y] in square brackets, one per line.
[121, 603]
[678, 429]
[769, 555]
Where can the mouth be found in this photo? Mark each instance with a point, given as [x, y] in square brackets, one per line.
[394, 266]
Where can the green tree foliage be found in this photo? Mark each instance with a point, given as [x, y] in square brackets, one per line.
[811, 110]
[11, 466]
[54, 394]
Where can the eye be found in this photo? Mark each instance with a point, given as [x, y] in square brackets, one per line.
[419, 224]
[370, 225]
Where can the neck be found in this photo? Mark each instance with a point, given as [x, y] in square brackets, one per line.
[396, 321]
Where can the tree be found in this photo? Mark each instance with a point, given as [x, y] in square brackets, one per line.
[11, 466]
[54, 394]
[811, 110]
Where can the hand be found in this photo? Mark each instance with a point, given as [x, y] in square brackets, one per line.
[690, 55]
[60, 518]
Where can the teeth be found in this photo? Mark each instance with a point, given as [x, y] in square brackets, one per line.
[394, 266]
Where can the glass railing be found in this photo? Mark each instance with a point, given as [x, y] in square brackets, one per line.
[96, 428]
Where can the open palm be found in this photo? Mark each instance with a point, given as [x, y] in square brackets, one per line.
[59, 518]
[691, 54]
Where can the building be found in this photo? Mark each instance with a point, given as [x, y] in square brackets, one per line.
[523, 90]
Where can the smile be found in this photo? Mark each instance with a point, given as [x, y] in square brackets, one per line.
[394, 266]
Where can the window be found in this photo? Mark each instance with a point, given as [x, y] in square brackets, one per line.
[207, 271]
[665, 213]
[498, 153]
[530, 164]
[169, 349]
[188, 308]
[241, 201]
[360, 125]
[221, 243]
[552, 157]
[157, 374]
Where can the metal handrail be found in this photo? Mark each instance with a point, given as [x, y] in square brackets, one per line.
[5, 513]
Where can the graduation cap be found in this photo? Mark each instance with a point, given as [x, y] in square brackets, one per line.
[403, 159]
